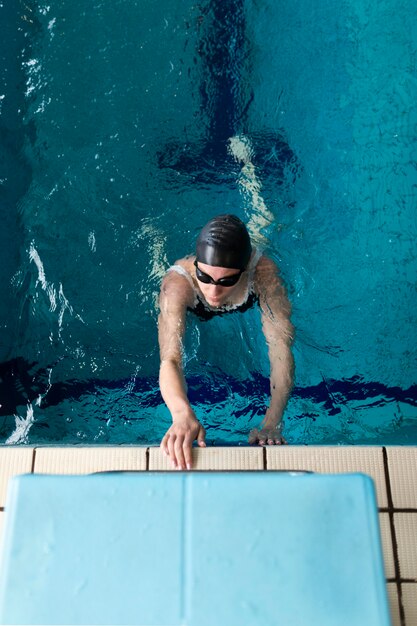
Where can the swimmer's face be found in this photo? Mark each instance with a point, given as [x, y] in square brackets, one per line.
[217, 295]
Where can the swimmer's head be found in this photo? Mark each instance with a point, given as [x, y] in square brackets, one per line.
[224, 242]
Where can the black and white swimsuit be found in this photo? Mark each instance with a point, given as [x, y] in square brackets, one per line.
[204, 311]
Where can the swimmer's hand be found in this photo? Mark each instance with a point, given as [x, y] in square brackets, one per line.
[178, 441]
[267, 435]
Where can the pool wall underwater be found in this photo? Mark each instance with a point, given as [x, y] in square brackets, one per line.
[124, 128]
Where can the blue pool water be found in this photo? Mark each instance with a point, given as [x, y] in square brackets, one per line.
[124, 127]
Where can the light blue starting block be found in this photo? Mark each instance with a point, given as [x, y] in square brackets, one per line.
[193, 549]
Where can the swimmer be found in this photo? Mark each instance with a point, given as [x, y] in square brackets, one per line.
[226, 275]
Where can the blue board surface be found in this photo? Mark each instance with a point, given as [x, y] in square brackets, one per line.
[192, 549]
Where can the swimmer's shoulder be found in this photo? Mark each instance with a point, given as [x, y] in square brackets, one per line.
[177, 286]
[266, 273]
[265, 263]
[265, 266]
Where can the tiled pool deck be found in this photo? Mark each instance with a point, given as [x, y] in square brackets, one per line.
[394, 470]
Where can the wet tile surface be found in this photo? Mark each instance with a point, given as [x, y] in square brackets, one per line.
[394, 604]
[386, 540]
[13, 461]
[85, 460]
[402, 464]
[368, 460]
[406, 533]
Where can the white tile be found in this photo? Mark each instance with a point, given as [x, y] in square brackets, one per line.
[215, 458]
[394, 604]
[386, 541]
[402, 465]
[406, 533]
[332, 460]
[85, 460]
[13, 461]
[409, 598]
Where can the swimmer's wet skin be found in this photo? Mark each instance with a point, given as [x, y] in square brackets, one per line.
[225, 275]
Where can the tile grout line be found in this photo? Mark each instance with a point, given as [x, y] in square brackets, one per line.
[385, 509]
[147, 459]
[264, 458]
[393, 537]
[32, 469]
[409, 580]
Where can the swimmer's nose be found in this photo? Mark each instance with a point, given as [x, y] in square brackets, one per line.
[216, 290]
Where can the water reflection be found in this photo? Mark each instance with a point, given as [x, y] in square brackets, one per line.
[118, 147]
[225, 76]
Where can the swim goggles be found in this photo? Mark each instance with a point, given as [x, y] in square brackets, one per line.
[227, 281]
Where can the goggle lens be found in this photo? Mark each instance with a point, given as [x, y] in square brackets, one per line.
[227, 281]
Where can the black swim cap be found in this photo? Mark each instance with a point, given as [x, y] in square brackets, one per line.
[224, 242]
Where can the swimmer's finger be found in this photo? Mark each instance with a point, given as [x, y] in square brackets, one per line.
[253, 436]
[171, 450]
[270, 442]
[262, 442]
[164, 446]
[188, 454]
[179, 452]
[201, 437]
[281, 442]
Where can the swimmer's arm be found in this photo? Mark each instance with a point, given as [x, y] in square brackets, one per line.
[185, 427]
[171, 329]
[279, 334]
[171, 376]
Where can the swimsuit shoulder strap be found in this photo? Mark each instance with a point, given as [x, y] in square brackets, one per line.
[182, 272]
